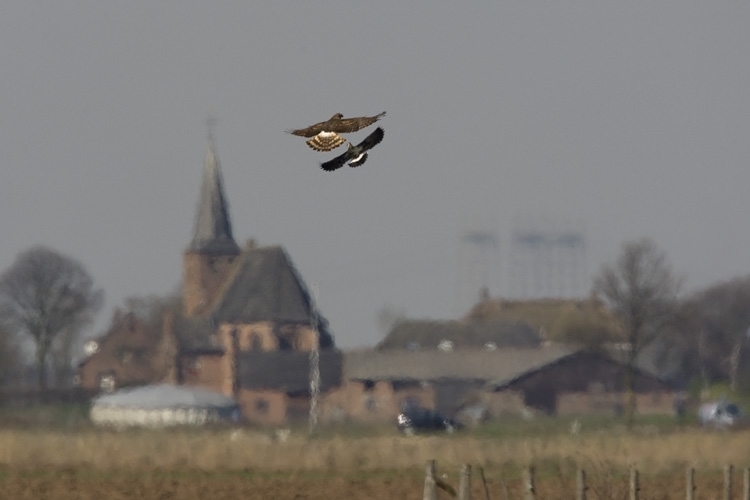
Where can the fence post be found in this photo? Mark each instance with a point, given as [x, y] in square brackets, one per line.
[746, 484]
[728, 482]
[484, 484]
[581, 485]
[634, 487]
[430, 493]
[464, 486]
[690, 484]
[530, 492]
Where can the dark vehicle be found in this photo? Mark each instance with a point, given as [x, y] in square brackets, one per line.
[417, 419]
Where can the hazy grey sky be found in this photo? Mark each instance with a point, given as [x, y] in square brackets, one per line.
[629, 118]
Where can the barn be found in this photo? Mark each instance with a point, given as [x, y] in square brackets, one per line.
[550, 379]
[583, 382]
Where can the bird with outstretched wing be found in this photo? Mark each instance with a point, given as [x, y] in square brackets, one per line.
[325, 135]
[355, 155]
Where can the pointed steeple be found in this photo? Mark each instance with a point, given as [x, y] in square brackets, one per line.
[213, 228]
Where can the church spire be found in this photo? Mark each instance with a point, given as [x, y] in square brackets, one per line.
[213, 228]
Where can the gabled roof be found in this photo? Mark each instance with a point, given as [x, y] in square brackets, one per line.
[287, 371]
[213, 228]
[477, 365]
[427, 334]
[544, 315]
[656, 358]
[265, 286]
[577, 358]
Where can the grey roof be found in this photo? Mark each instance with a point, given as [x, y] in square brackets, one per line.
[195, 334]
[265, 286]
[287, 371]
[584, 357]
[427, 334]
[213, 229]
[466, 364]
[164, 396]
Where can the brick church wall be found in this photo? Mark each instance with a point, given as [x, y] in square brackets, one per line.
[203, 276]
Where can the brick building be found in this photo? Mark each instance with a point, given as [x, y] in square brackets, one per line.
[549, 379]
[235, 301]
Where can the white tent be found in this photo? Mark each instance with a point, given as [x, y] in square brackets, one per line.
[163, 405]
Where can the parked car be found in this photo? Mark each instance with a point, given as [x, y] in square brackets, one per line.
[416, 419]
[720, 414]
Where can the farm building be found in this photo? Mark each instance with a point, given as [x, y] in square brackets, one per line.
[583, 382]
[122, 357]
[511, 323]
[551, 379]
[245, 326]
[431, 334]
[162, 405]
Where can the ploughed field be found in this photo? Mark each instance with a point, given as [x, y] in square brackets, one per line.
[83, 483]
[252, 463]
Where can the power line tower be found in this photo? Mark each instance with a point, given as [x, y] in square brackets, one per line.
[477, 266]
[547, 259]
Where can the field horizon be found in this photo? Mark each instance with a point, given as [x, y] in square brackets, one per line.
[356, 463]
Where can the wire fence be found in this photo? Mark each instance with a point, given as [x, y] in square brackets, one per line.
[435, 486]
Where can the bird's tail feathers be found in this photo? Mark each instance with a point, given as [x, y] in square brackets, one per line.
[325, 141]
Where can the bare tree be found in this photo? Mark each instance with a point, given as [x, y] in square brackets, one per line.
[687, 337]
[11, 363]
[47, 296]
[640, 289]
[724, 323]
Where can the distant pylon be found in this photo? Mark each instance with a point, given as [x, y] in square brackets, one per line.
[547, 259]
[478, 266]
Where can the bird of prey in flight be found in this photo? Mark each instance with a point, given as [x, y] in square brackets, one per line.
[355, 155]
[325, 135]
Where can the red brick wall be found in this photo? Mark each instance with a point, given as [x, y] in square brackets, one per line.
[203, 275]
[206, 370]
[579, 403]
[126, 352]
[299, 337]
[376, 403]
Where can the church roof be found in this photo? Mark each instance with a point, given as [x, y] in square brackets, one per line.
[213, 228]
[265, 286]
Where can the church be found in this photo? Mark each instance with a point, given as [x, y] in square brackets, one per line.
[245, 326]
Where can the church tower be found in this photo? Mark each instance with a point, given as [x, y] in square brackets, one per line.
[212, 251]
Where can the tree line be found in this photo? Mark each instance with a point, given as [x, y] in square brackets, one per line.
[48, 298]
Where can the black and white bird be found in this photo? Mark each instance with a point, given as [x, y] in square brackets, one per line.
[325, 135]
[355, 155]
